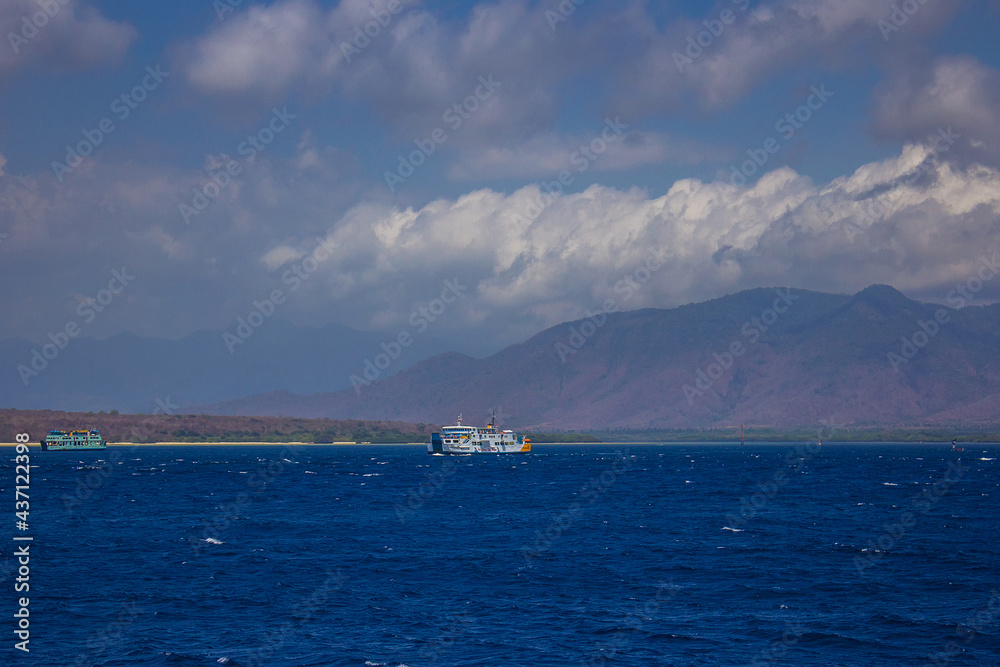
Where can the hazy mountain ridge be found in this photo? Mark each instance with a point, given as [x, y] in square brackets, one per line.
[825, 358]
[138, 374]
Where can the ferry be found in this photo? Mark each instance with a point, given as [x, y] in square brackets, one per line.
[57, 440]
[461, 439]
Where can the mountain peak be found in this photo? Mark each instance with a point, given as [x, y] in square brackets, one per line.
[882, 296]
[879, 289]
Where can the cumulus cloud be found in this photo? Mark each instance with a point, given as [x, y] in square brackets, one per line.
[955, 91]
[548, 154]
[262, 50]
[685, 57]
[529, 260]
[421, 61]
[280, 255]
[532, 261]
[68, 34]
[191, 275]
[411, 68]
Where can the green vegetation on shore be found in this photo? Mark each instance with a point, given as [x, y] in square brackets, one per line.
[826, 434]
[222, 429]
[563, 438]
[208, 428]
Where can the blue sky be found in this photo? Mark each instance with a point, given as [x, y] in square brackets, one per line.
[663, 182]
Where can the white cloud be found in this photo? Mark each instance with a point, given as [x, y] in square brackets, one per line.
[409, 71]
[525, 268]
[759, 41]
[262, 50]
[717, 238]
[194, 275]
[955, 91]
[280, 255]
[546, 155]
[72, 34]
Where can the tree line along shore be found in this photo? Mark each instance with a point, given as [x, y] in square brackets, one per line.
[150, 429]
[194, 429]
[147, 429]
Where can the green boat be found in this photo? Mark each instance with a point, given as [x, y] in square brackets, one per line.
[57, 440]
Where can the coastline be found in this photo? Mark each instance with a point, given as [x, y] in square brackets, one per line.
[227, 444]
[660, 443]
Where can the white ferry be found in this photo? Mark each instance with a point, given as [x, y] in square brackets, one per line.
[461, 439]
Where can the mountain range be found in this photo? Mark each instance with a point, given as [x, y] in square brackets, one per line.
[774, 357]
[130, 373]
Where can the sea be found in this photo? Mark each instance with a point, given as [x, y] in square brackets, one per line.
[592, 555]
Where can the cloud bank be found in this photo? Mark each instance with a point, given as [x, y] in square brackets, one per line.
[59, 34]
[919, 221]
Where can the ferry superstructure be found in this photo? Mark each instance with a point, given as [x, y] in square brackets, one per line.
[462, 439]
[57, 440]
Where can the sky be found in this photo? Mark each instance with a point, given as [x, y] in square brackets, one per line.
[172, 167]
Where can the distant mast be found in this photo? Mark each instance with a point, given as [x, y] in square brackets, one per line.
[741, 434]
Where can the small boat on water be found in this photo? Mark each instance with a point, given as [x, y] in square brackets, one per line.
[80, 439]
[461, 439]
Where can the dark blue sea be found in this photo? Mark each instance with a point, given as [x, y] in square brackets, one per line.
[771, 554]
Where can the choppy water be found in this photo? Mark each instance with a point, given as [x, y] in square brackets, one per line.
[617, 555]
